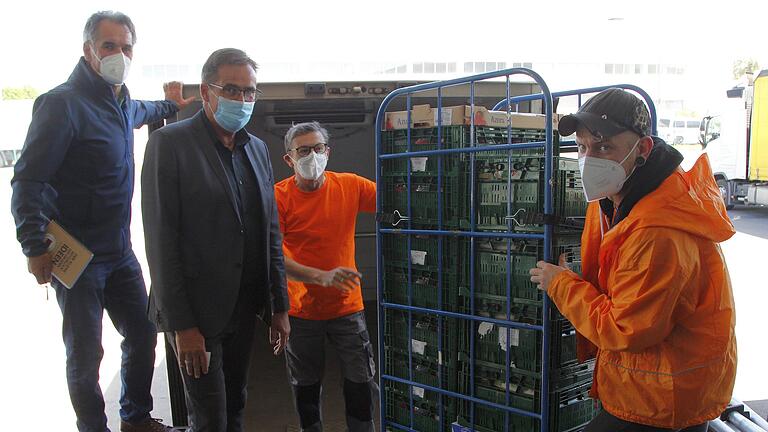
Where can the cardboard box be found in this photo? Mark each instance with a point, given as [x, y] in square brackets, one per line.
[483, 117]
[424, 116]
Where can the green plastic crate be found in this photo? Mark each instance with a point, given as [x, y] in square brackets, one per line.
[570, 408]
[422, 253]
[426, 407]
[423, 342]
[520, 310]
[428, 282]
[455, 136]
[458, 136]
[524, 384]
[422, 370]
[525, 176]
[502, 261]
[396, 141]
[425, 291]
[423, 210]
[424, 166]
[455, 163]
[491, 343]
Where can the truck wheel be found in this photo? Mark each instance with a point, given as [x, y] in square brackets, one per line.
[723, 185]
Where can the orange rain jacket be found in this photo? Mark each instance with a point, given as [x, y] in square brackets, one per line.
[655, 299]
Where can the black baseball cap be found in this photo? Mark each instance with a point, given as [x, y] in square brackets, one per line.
[608, 113]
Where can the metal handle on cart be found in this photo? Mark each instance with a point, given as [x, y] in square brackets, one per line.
[395, 218]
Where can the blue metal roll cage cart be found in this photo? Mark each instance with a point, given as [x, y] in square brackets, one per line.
[506, 103]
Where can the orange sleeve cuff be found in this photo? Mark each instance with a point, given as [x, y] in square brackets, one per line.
[558, 288]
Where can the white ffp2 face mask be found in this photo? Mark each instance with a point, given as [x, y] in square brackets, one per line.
[311, 166]
[601, 178]
[113, 68]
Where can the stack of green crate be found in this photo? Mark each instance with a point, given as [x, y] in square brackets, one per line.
[411, 265]
[504, 363]
[523, 172]
[425, 186]
[518, 385]
[569, 409]
[506, 262]
[523, 355]
[433, 347]
[493, 170]
[423, 207]
[455, 136]
[505, 358]
[426, 406]
[430, 356]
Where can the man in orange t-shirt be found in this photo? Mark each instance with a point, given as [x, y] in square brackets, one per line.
[318, 211]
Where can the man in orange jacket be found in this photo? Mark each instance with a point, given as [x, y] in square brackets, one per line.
[655, 297]
[318, 210]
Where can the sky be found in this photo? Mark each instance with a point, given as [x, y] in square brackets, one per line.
[43, 39]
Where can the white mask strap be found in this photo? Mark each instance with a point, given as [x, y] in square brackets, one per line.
[631, 150]
[93, 51]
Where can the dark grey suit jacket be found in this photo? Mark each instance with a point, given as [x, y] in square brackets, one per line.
[193, 231]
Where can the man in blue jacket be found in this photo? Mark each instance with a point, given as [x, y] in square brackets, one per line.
[77, 168]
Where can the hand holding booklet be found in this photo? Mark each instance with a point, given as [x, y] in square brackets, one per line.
[69, 257]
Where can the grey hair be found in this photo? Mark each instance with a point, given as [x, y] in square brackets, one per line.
[225, 56]
[300, 129]
[91, 26]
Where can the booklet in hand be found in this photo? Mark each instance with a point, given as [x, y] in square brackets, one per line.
[69, 256]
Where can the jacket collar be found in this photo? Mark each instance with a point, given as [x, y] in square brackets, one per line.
[241, 136]
[662, 162]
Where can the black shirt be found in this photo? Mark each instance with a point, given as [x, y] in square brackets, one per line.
[244, 187]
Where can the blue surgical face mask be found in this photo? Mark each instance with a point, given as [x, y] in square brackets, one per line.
[233, 115]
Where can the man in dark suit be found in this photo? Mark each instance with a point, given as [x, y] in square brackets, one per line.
[213, 242]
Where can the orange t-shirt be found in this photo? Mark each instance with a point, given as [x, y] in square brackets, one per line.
[319, 231]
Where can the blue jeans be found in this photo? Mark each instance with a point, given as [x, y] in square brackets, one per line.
[118, 287]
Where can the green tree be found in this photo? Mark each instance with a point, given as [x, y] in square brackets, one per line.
[744, 66]
[15, 93]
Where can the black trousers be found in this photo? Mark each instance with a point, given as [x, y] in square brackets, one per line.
[216, 400]
[605, 422]
[305, 359]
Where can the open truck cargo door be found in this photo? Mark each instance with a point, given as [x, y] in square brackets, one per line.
[348, 110]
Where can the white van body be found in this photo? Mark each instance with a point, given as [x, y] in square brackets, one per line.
[679, 130]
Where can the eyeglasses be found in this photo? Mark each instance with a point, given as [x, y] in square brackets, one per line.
[319, 148]
[233, 92]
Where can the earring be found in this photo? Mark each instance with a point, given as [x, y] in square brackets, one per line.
[640, 161]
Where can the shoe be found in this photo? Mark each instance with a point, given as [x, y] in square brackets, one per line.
[148, 425]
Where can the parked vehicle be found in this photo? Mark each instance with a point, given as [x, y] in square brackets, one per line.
[737, 143]
[679, 130]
